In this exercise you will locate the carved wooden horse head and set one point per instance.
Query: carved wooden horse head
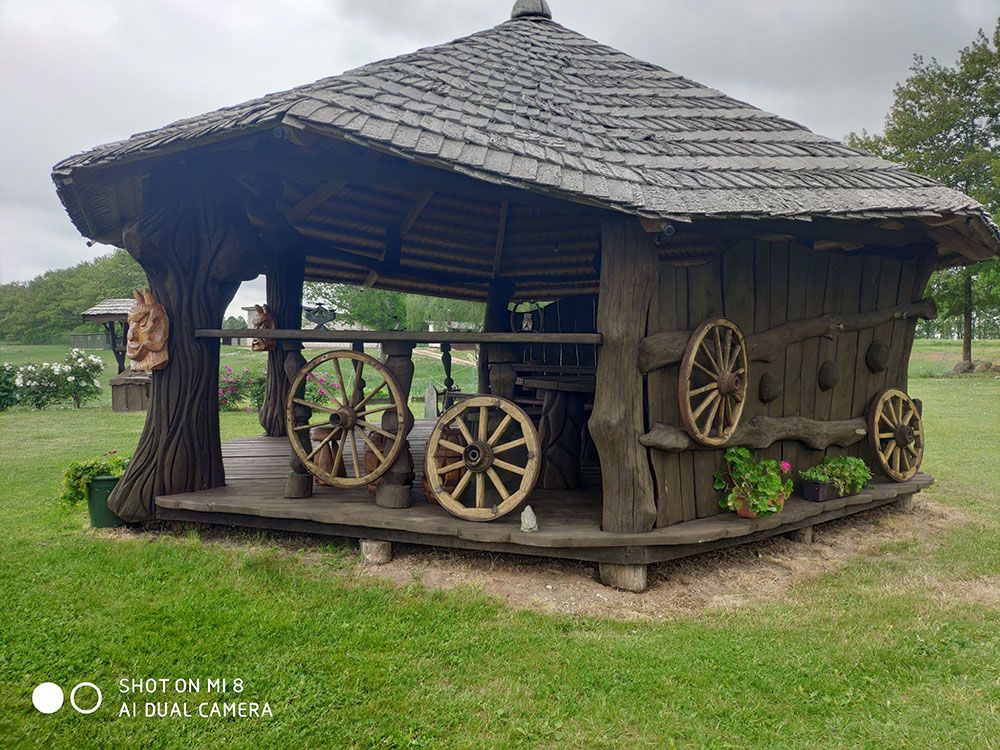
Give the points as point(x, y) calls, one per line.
point(263, 318)
point(148, 330)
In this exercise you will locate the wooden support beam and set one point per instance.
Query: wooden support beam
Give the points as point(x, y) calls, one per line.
point(950, 240)
point(501, 236)
point(762, 431)
point(315, 199)
point(411, 218)
point(629, 273)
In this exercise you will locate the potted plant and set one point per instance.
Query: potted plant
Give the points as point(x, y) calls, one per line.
point(94, 480)
point(753, 488)
point(835, 476)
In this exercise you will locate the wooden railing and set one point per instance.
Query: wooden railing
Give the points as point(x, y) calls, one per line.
point(405, 337)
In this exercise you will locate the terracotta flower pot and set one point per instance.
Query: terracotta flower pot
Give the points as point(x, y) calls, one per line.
point(743, 511)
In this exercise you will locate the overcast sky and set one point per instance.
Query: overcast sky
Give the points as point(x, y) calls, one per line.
point(77, 74)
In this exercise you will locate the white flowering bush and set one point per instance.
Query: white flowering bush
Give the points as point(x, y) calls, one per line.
point(39, 385)
point(81, 372)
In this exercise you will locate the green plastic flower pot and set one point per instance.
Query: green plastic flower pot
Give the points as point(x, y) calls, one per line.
point(101, 516)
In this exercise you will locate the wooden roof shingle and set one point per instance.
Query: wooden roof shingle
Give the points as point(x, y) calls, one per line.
point(534, 105)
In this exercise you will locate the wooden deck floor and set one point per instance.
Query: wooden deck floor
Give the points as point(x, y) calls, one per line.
point(569, 522)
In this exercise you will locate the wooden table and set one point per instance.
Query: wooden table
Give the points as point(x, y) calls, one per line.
point(560, 430)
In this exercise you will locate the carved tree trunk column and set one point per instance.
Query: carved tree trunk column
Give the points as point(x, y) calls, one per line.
point(285, 274)
point(496, 318)
point(196, 245)
point(394, 489)
point(629, 269)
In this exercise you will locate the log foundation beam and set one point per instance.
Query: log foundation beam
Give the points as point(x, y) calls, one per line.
point(375, 552)
point(624, 577)
point(801, 536)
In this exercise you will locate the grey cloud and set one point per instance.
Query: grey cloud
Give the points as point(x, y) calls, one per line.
point(74, 75)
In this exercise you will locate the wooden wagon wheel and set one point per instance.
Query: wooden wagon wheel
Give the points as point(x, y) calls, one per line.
point(896, 434)
point(501, 483)
point(345, 406)
point(712, 382)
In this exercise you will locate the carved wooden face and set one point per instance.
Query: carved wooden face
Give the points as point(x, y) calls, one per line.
point(263, 318)
point(148, 329)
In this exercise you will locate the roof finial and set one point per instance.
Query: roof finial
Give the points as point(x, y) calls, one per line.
point(531, 9)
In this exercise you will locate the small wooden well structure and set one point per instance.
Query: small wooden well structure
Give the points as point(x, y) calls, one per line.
point(129, 388)
point(678, 230)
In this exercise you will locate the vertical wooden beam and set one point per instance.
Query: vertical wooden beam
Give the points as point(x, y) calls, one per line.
point(285, 275)
point(628, 277)
point(196, 244)
point(394, 489)
point(496, 318)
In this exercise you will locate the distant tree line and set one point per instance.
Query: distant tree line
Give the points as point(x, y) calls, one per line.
point(47, 308)
point(378, 309)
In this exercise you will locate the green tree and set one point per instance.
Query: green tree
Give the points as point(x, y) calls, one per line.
point(945, 123)
point(234, 322)
point(47, 308)
point(422, 310)
point(373, 309)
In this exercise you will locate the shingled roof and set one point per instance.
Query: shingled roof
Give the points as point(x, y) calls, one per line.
point(534, 105)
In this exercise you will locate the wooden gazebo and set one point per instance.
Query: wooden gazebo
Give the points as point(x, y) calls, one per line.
point(112, 314)
point(721, 276)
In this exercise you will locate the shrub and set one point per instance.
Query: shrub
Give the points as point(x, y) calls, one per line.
point(8, 392)
point(81, 375)
point(848, 474)
point(238, 389)
point(78, 475)
point(761, 484)
point(39, 386)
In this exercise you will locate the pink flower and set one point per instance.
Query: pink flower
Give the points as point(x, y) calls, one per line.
point(228, 368)
point(786, 467)
point(322, 392)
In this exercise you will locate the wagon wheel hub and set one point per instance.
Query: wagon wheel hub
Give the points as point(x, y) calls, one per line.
point(345, 418)
point(730, 383)
point(478, 456)
point(905, 435)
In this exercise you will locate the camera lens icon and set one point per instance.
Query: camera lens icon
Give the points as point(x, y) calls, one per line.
point(48, 698)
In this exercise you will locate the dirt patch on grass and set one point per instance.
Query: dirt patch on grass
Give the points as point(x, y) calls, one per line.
point(755, 573)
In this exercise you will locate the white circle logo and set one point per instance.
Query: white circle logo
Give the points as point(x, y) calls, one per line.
point(47, 697)
point(72, 698)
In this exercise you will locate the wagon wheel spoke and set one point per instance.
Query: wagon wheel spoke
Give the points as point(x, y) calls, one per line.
point(705, 404)
point(340, 380)
point(498, 432)
point(495, 479)
point(371, 394)
point(484, 423)
point(714, 372)
point(453, 447)
point(711, 416)
point(464, 429)
point(704, 389)
point(451, 467)
point(372, 428)
point(509, 467)
point(372, 447)
point(511, 445)
point(480, 490)
point(462, 484)
point(338, 458)
point(889, 448)
point(908, 417)
point(356, 387)
point(322, 443)
point(375, 410)
point(315, 407)
point(704, 369)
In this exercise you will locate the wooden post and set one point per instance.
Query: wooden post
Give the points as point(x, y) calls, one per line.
point(496, 375)
point(300, 481)
point(625, 577)
point(375, 552)
point(628, 277)
point(394, 489)
point(196, 245)
point(285, 274)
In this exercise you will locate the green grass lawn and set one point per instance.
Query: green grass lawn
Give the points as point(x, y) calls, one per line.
point(890, 651)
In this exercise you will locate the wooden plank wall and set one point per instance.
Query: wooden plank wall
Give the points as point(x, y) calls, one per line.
point(760, 284)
